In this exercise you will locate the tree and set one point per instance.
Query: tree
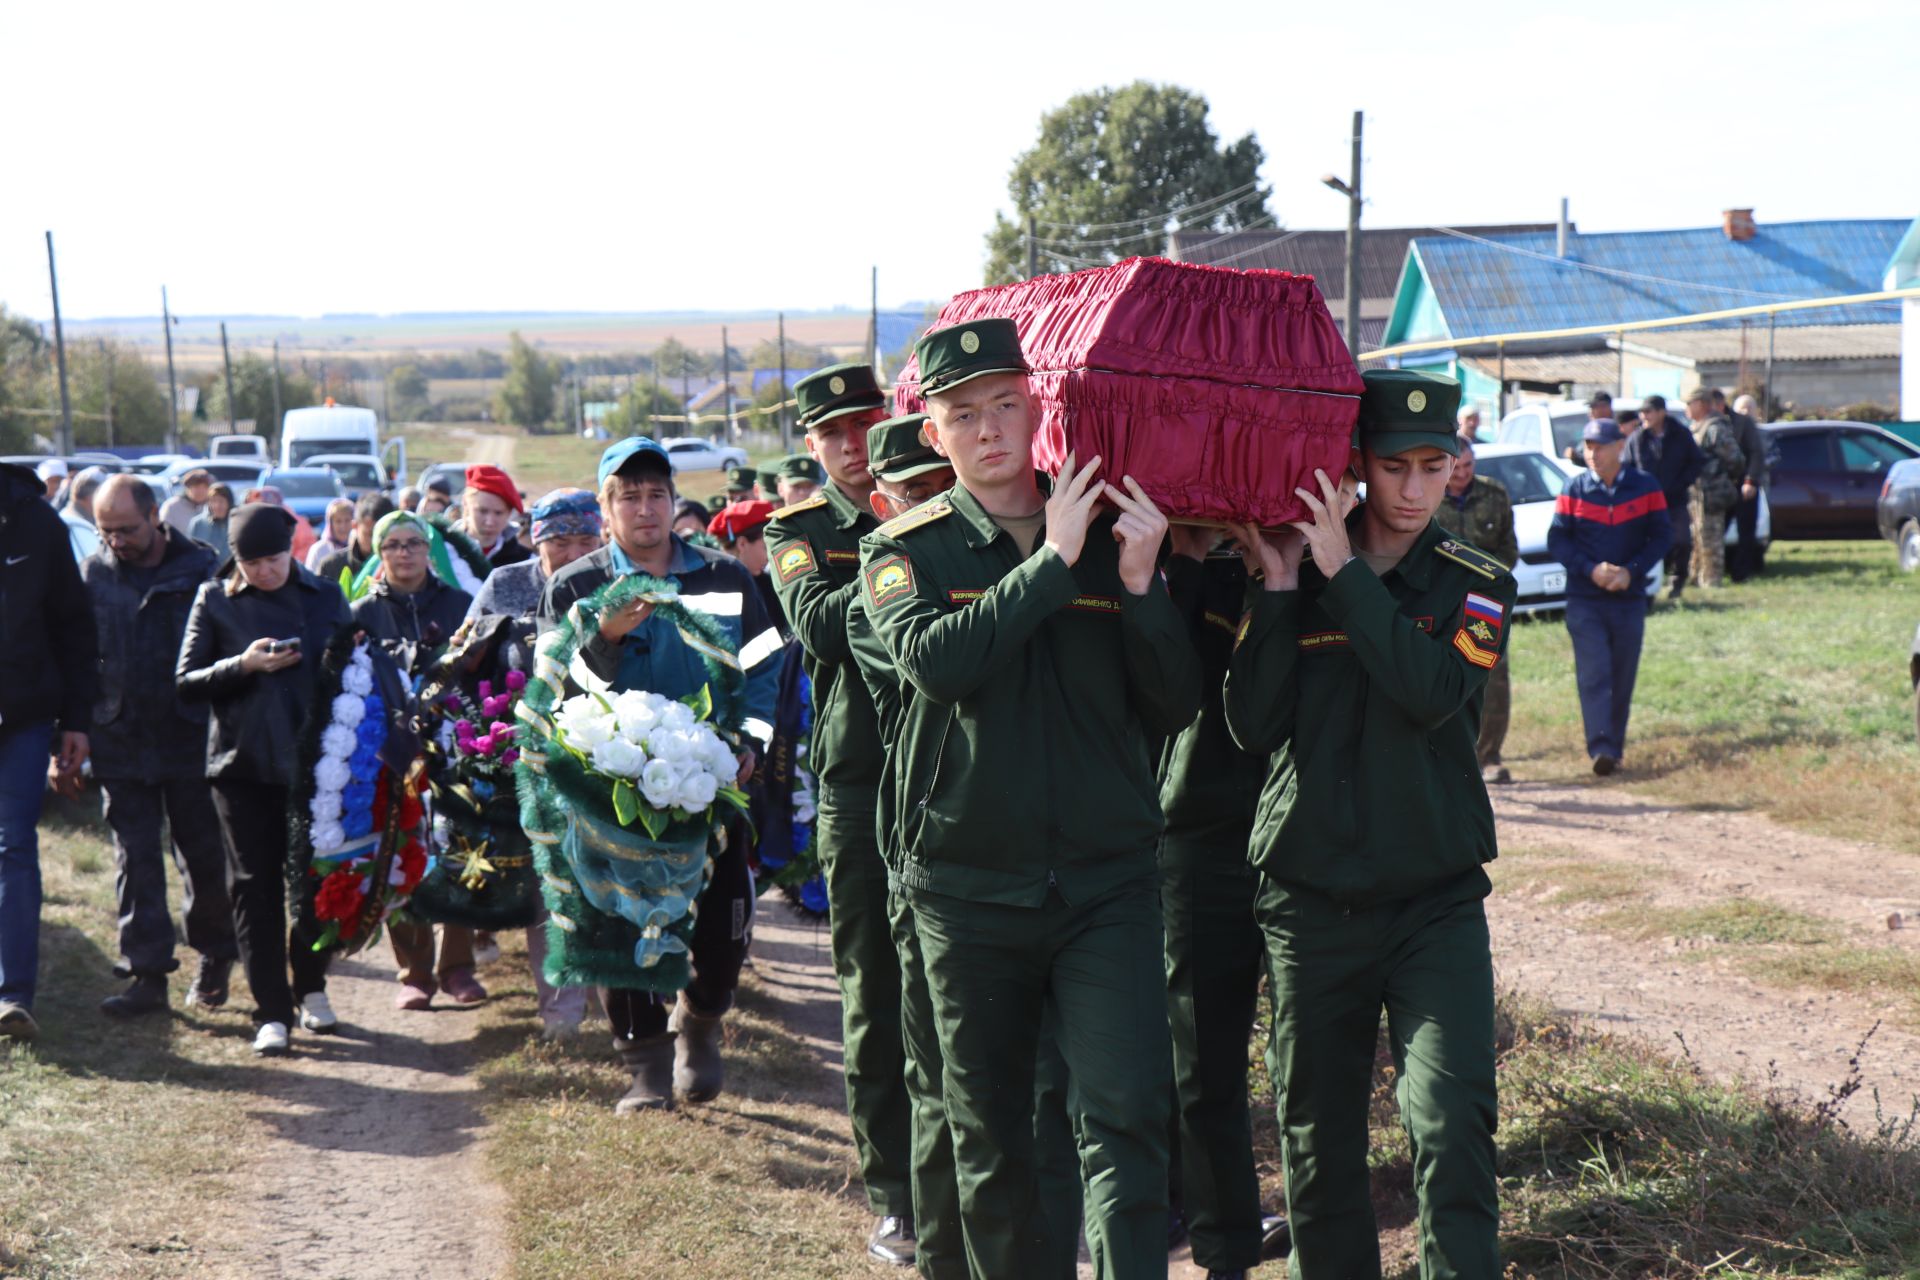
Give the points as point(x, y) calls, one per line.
point(800, 355)
point(408, 393)
point(138, 402)
point(645, 399)
point(1111, 175)
point(23, 381)
point(525, 396)
point(253, 395)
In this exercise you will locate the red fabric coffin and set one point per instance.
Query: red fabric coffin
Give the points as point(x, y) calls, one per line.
point(1219, 391)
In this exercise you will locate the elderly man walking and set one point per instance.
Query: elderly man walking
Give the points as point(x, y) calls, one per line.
point(149, 751)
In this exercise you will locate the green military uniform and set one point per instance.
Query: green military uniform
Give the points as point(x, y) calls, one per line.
point(813, 555)
point(1483, 515)
point(895, 452)
point(767, 480)
point(1713, 496)
point(1215, 951)
point(802, 466)
point(1027, 820)
point(740, 482)
point(1370, 839)
point(716, 504)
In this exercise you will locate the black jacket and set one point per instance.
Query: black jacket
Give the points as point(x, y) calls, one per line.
point(256, 718)
point(414, 627)
point(47, 643)
point(141, 727)
point(1672, 458)
point(348, 558)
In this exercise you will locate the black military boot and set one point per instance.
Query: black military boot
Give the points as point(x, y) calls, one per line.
point(209, 989)
point(651, 1062)
point(147, 993)
point(893, 1241)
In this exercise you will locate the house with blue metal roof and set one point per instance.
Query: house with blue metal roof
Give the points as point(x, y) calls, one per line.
point(1456, 286)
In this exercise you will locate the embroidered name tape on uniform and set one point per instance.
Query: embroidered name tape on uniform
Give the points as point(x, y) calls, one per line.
point(842, 557)
point(1095, 604)
point(1313, 641)
point(890, 579)
point(793, 561)
point(965, 595)
point(1221, 621)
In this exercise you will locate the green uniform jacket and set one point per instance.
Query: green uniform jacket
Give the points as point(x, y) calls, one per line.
point(1367, 692)
point(875, 666)
point(1022, 761)
point(1207, 783)
point(1484, 518)
point(813, 556)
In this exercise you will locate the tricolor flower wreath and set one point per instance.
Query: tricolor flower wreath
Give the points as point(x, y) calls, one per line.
point(623, 856)
point(358, 823)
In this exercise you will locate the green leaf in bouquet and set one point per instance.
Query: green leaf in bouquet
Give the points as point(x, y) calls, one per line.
point(735, 797)
point(653, 821)
point(328, 936)
point(626, 802)
point(701, 703)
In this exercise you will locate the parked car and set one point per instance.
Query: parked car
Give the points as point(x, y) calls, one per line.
point(155, 463)
point(358, 472)
point(451, 474)
point(238, 474)
point(241, 448)
point(1534, 484)
point(307, 490)
point(687, 453)
point(1827, 477)
point(1899, 511)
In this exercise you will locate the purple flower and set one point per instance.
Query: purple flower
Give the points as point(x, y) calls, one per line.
point(463, 729)
point(486, 689)
point(500, 729)
point(516, 681)
point(483, 745)
point(510, 757)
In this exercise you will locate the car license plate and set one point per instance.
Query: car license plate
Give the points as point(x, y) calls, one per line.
point(1553, 583)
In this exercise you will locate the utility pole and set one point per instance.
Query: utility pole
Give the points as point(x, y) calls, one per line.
point(873, 328)
point(226, 358)
point(1351, 190)
point(786, 426)
point(726, 381)
point(173, 388)
point(1033, 249)
point(273, 436)
point(64, 444)
point(106, 356)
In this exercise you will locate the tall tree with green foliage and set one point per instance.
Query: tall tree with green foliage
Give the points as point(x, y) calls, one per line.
point(525, 397)
point(1110, 175)
point(23, 382)
point(408, 392)
point(644, 399)
point(114, 377)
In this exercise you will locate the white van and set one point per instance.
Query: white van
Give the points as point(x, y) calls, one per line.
point(334, 428)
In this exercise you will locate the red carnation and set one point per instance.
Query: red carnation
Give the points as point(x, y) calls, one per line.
point(411, 810)
point(339, 896)
point(413, 865)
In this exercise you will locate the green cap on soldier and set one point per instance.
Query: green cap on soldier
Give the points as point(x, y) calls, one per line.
point(962, 352)
point(836, 390)
point(740, 479)
point(897, 452)
point(800, 466)
point(1403, 409)
point(716, 504)
point(768, 478)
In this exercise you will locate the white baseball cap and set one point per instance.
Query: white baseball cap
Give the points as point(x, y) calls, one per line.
point(51, 468)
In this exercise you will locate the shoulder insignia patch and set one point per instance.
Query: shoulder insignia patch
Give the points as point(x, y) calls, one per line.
point(805, 504)
point(889, 579)
point(1471, 649)
point(924, 514)
point(793, 560)
point(1472, 557)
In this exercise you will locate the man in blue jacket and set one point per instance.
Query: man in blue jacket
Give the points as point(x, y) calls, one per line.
point(1610, 528)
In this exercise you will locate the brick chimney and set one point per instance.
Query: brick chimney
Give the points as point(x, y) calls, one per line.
point(1737, 223)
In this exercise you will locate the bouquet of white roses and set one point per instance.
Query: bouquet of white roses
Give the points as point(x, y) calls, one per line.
point(665, 764)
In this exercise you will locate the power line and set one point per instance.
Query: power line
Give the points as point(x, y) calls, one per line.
point(1161, 218)
point(1152, 232)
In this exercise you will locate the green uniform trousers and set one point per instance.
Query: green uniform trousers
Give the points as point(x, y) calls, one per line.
point(942, 1251)
point(1215, 953)
point(991, 970)
point(868, 967)
point(1427, 960)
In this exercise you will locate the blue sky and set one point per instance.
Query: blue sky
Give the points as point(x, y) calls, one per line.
point(299, 159)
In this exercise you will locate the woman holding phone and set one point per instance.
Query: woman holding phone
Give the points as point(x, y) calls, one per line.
point(252, 643)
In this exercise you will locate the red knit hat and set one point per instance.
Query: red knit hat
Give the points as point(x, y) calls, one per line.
point(737, 518)
point(491, 479)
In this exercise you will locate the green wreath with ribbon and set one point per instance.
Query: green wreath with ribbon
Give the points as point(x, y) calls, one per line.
point(619, 883)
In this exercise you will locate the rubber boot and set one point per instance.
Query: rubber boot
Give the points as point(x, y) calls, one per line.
point(651, 1062)
point(698, 1071)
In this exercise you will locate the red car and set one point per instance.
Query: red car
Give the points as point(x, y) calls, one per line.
point(1826, 477)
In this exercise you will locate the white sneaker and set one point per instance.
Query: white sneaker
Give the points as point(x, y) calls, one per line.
point(316, 1015)
point(486, 950)
point(271, 1040)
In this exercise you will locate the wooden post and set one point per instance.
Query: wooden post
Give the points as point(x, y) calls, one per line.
point(173, 388)
point(64, 444)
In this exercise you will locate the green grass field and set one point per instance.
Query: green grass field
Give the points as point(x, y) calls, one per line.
point(1788, 694)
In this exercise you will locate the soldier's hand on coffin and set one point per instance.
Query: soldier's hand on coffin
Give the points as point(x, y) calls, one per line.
point(1274, 556)
point(1194, 541)
point(1326, 533)
point(1139, 529)
point(1070, 510)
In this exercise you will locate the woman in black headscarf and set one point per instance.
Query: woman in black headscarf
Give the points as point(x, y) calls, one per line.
point(252, 648)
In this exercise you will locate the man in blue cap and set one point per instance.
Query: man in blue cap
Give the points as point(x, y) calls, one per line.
point(634, 650)
point(1610, 529)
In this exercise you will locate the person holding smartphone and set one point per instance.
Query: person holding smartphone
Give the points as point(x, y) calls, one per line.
point(252, 642)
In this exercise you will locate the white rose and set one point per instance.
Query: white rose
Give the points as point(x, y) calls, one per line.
point(349, 711)
point(585, 725)
point(328, 836)
point(637, 711)
point(657, 783)
point(677, 716)
point(325, 807)
point(671, 747)
point(337, 740)
point(357, 679)
point(332, 774)
point(620, 758)
point(720, 758)
point(697, 791)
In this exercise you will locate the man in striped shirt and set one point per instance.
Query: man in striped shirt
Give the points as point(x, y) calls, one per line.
point(634, 650)
point(1610, 530)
